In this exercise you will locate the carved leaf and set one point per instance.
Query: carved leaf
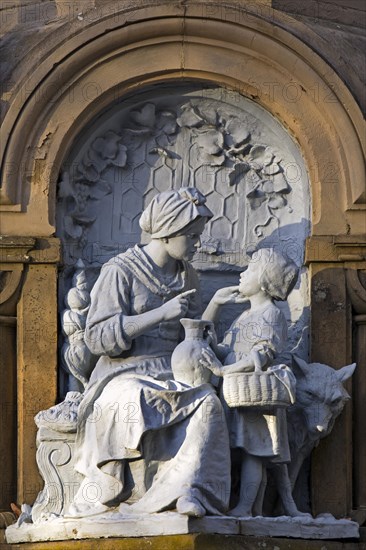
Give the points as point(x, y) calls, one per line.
point(260, 156)
point(256, 198)
point(166, 121)
point(189, 117)
point(65, 189)
point(71, 229)
point(165, 140)
point(107, 146)
point(121, 157)
point(98, 191)
point(236, 133)
point(267, 157)
point(252, 179)
point(267, 186)
point(272, 169)
point(83, 219)
point(145, 116)
point(217, 160)
point(92, 173)
point(211, 141)
point(210, 116)
point(238, 173)
point(276, 201)
point(256, 152)
point(280, 184)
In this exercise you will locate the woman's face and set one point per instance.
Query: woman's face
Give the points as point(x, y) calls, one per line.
point(183, 247)
point(249, 280)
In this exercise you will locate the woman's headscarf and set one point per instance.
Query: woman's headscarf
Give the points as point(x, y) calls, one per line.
point(171, 211)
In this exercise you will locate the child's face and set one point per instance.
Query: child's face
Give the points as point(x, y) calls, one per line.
point(249, 280)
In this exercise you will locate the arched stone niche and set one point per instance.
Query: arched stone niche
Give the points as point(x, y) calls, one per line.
point(129, 48)
point(237, 154)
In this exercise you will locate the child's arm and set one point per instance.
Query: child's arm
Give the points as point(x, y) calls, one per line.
point(220, 350)
point(227, 295)
point(258, 358)
point(210, 361)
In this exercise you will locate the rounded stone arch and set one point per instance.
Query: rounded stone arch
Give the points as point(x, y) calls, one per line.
point(104, 59)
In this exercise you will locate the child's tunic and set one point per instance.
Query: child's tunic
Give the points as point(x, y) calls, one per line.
point(265, 435)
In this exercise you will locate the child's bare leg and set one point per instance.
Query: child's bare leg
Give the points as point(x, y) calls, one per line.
point(258, 504)
point(284, 489)
point(250, 480)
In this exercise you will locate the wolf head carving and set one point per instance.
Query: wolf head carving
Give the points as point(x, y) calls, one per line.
point(320, 394)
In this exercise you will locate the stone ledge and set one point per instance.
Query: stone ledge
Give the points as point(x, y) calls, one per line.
point(114, 524)
point(190, 542)
point(339, 248)
point(28, 250)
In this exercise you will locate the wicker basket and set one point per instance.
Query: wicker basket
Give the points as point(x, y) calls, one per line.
point(255, 390)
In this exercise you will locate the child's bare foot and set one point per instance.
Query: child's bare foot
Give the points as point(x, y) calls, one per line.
point(240, 511)
point(292, 511)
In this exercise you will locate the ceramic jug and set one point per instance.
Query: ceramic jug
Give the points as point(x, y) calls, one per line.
point(185, 358)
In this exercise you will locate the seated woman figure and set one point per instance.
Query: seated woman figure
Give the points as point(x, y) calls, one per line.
point(133, 411)
point(253, 341)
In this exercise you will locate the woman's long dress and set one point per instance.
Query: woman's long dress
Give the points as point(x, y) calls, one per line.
point(134, 413)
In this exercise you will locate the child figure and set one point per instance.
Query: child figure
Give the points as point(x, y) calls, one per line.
point(252, 343)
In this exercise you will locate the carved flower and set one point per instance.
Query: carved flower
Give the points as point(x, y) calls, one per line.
point(260, 164)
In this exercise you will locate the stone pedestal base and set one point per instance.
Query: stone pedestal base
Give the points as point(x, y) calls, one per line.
point(114, 524)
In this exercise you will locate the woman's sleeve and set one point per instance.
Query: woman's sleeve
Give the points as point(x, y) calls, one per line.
point(110, 301)
point(195, 302)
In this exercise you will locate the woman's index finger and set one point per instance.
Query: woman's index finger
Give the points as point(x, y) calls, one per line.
point(187, 293)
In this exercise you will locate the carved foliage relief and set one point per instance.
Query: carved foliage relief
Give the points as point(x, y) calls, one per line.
point(234, 155)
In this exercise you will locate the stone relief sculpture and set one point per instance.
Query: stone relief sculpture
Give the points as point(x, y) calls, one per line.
point(153, 434)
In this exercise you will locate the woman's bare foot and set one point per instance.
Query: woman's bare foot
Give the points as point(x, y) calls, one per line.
point(190, 507)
